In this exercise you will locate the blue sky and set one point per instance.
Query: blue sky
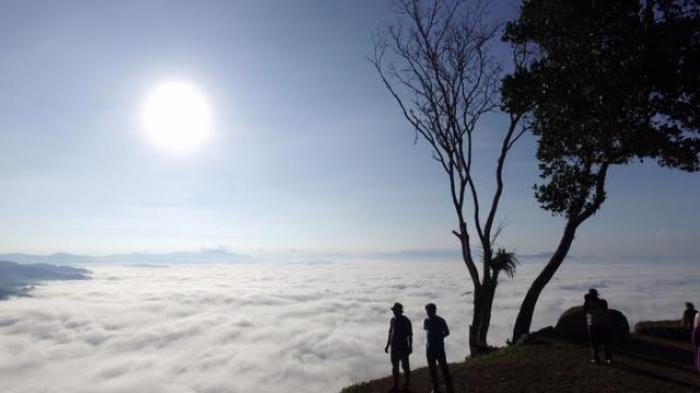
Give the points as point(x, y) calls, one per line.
point(308, 151)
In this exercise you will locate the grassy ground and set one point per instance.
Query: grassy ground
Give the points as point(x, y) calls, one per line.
point(550, 365)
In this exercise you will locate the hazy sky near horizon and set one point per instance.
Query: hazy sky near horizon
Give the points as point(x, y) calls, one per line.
point(307, 149)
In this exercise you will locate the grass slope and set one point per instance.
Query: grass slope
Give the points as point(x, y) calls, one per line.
point(550, 365)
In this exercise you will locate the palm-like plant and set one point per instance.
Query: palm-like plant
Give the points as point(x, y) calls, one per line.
point(504, 261)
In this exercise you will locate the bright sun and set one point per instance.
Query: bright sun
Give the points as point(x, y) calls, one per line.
point(176, 117)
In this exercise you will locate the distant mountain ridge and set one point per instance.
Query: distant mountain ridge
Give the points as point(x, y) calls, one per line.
point(221, 256)
point(204, 256)
point(17, 279)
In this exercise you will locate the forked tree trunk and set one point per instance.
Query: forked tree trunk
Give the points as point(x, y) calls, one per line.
point(527, 308)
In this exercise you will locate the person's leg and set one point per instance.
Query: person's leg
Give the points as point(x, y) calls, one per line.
point(597, 341)
point(593, 342)
point(395, 371)
point(697, 358)
point(406, 370)
point(444, 368)
point(433, 371)
point(607, 341)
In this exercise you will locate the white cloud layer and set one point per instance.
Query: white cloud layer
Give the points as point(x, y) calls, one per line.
point(275, 328)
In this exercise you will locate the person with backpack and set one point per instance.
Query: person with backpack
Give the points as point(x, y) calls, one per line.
point(596, 310)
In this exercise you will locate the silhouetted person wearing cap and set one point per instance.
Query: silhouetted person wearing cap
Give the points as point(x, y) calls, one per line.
point(596, 310)
point(437, 330)
point(401, 342)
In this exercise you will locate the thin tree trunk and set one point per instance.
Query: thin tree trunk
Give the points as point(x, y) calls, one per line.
point(463, 237)
point(474, 327)
point(527, 308)
point(474, 342)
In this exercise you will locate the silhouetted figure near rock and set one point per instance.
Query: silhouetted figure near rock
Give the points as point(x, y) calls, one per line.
point(596, 310)
point(696, 341)
point(689, 315)
point(435, 347)
point(401, 342)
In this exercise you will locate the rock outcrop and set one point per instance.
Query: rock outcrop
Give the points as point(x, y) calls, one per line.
point(572, 326)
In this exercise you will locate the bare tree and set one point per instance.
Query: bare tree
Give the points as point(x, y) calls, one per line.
point(437, 65)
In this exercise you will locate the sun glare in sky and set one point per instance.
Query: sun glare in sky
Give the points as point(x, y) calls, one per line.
point(176, 117)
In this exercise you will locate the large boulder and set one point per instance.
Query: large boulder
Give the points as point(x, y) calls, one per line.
point(572, 326)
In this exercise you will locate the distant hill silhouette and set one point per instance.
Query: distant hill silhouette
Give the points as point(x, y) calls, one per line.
point(137, 258)
point(17, 279)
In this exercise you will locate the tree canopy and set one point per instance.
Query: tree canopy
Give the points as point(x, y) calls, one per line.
point(606, 83)
point(610, 82)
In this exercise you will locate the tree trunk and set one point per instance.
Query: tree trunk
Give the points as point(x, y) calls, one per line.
point(527, 308)
point(481, 319)
point(487, 294)
point(473, 328)
point(473, 339)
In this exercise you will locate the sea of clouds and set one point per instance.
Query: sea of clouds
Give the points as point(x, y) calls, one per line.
point(277, 327)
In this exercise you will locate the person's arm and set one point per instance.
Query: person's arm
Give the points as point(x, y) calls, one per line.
point(410, 336)
point(388, 338)
point(445, 329)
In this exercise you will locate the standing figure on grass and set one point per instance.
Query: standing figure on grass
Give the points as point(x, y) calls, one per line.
point(696, 341)
point(401, 342)
point(689, 316)
point(435, 348)
point(596, 310)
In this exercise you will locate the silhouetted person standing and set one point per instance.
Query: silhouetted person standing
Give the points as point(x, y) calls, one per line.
point(437, 330)
point(689, 315)
point(401, 342)
point(596, 310)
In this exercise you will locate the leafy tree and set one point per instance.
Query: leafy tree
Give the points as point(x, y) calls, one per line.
point(437, 65)
point(608, 83)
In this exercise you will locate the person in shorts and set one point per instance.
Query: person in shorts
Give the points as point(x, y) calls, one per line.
point(400, 341)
